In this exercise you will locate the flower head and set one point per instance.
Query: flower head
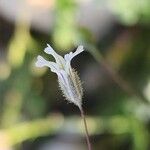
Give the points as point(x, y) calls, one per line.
point(68, 79)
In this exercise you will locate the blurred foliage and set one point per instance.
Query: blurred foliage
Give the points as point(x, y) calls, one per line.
point(132, 11)
point(116, 82)
point(65, 24)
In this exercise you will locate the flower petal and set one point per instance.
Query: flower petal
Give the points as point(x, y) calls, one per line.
point(41, 62)
point(69, 56)
point(59, 59)
point(78, 50)
point(49, 49)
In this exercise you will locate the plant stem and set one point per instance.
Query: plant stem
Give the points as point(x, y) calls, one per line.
point(86, 129)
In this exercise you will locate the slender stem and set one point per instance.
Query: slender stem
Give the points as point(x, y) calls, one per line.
point(86, 129)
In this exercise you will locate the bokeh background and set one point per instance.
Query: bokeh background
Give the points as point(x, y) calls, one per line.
point(114, 70)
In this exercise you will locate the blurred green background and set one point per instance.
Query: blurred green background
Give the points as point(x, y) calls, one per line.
point(114, 69)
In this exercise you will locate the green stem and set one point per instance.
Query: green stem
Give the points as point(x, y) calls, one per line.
point(86, 129)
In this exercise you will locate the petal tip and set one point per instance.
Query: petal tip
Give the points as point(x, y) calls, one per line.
point(81, 48)
point(40, 61)
point(48, 49)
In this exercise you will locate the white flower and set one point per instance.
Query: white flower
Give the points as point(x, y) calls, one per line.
point(69, 81)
